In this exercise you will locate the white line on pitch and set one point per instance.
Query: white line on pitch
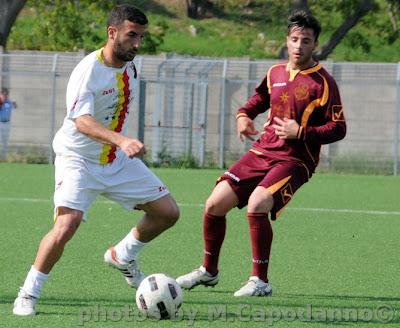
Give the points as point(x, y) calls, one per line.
point(304, 209)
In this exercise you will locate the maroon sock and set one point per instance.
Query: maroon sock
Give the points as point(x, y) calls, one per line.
point(261, 240)
point(213, 233)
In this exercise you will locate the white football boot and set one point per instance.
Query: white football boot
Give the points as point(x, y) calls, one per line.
point(197, 277)
point(255, 287)
point(24, 304)
point(133, 275)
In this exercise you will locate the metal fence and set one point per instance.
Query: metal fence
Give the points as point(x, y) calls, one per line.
point(185, 108)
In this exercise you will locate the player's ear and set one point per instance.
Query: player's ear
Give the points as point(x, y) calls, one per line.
point(111, 31)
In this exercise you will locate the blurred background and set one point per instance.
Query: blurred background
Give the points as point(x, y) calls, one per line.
point(200, 61)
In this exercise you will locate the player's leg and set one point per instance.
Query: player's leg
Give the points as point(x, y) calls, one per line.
point(135, 186)
point(160, 215)
point(218, 204)
point(75, 190)
point(260, 204)
point(50, 250)
point(271, 196)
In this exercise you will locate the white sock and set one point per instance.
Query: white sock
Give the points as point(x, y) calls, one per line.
point(34, 282)
point(128, 248)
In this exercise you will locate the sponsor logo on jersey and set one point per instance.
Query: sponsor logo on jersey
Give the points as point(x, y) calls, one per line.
point(232, 176)
point(286, 193)
point(337, 113)
point(74, 104)
point(59, 184)
point(108, 91)
point(279, 84)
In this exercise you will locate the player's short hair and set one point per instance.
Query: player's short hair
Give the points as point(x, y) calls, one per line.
point(303, 19)
point(4, 91)
point(124, 12)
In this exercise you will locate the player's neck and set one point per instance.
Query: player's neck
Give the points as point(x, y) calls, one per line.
point(109, 59)
point(302, 67)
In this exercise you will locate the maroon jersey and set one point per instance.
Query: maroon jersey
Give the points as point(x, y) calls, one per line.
point(310, 97)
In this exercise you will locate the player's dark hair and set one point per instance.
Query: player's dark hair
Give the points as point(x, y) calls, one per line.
point(303, 19)
point(124, 12)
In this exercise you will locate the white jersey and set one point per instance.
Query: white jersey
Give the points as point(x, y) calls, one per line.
point(103, 92)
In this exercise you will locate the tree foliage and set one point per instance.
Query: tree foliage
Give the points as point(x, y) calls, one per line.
point(70, 25)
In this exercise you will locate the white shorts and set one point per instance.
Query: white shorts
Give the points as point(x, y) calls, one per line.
point(126, 181)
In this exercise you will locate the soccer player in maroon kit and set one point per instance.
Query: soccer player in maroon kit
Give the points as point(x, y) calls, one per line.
point(305, 113)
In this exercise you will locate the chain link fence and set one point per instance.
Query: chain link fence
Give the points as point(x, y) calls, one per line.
point(185, 109)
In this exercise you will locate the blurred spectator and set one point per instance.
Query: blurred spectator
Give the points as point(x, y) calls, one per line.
point(6, 106)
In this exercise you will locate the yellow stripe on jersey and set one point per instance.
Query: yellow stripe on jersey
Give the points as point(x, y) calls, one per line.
point(122, 79)
point(315, 103)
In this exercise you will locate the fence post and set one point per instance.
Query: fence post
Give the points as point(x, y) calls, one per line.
point(222, 116)
point(189, 147)
point(53, 108)
point(141, 101)
point(203, 96)
point(141, 110)
point(396, 134)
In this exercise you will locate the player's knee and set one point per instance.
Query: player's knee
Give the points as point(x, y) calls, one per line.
point(260, 202)
point(66, 226)
point(172, 216)
point(213, 207)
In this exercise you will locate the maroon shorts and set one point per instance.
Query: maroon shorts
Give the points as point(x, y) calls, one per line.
point(281, 178)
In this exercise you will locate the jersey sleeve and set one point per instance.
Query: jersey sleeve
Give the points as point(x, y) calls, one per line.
point(80, 98)
point(258, 103)
point(334, 127)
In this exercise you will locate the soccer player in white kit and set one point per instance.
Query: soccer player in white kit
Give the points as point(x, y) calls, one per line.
point(94, 157)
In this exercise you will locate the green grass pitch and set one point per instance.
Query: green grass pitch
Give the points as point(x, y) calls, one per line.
point(335, 256)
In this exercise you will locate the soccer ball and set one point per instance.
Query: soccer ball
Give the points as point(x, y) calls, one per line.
point(159, 296)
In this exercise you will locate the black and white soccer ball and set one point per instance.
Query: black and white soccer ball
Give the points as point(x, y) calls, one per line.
point(159, 296)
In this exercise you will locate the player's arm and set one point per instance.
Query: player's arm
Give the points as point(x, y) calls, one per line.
point(335, 127)
point(89, 126)
point(333, 130)
point(258, 103)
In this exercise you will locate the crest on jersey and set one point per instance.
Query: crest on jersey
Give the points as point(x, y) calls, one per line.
point(301, 92)
point(337, 113)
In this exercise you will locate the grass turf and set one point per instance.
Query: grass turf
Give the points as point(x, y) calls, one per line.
point(334, 257)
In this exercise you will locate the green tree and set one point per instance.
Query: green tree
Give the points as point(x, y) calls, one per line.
point(70, 25)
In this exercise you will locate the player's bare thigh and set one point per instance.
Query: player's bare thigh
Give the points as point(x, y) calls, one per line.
point(260, 201)
point(163, 208)
point(221, 200)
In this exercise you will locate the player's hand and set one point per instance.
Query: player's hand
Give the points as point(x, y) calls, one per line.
point(132, 147)
point(286, 128)
point(245, 128)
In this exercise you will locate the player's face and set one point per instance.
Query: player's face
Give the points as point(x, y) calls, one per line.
point(301, 44)
point(128, 39)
